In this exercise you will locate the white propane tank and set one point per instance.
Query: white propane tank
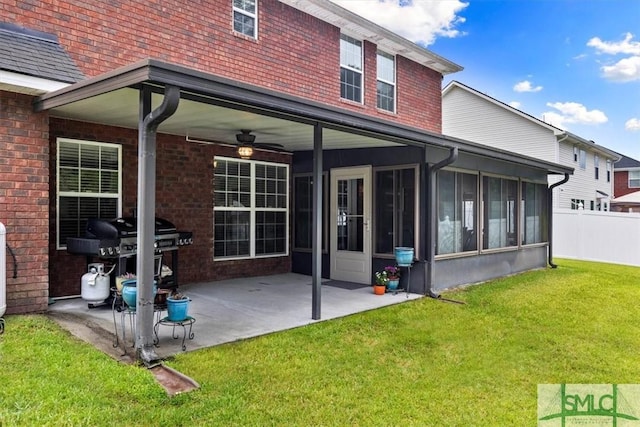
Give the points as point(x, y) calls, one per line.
point(95, 284)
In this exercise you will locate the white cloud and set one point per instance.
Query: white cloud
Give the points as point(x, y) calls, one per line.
point(419, 21)
point(572, 112)
point(515, 104)
point(525, 86)
point(626, 69)
point(625, 46)
point(632, 125)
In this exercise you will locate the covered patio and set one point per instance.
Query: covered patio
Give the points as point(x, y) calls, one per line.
point(156, 97)
point(224, 312)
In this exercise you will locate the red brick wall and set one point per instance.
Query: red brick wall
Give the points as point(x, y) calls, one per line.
point(24, 201)
point(621, 184)
point(184, 196)
point(295, 53)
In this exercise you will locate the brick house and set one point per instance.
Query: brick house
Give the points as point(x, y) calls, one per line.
point(144, 120)
point(626, 177)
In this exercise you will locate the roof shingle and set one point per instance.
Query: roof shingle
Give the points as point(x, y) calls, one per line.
point(35, 54)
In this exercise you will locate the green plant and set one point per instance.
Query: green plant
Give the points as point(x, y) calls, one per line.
point(175, 295)
point(389, 272)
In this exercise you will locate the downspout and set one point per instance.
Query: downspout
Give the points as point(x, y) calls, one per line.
point(147, 127)
point(550, 214)
point(431, 218)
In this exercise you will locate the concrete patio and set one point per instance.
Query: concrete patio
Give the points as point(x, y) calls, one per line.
point(224, 312)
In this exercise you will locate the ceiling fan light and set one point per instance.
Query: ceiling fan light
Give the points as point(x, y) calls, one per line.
point(245, 151)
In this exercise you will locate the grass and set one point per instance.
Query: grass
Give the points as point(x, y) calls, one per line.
point(425, 362)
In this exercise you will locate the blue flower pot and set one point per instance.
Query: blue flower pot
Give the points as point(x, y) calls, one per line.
point(404, 256)
point(177, 309)
point(392, 284)
point(130, 292)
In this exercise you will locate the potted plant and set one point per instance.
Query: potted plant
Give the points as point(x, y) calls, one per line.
point(380, 286)
point(177, 307)
point(393, 276)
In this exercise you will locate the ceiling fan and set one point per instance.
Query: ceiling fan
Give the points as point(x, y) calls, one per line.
point(246, 144)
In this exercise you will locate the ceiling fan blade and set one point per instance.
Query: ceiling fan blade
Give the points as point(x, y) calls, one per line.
point(268, 145)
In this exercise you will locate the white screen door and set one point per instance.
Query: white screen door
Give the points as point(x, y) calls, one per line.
point(351, 224)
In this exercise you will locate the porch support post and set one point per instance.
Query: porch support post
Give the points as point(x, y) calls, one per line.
point(432, 215)
point(316, 240)
point(147, 126)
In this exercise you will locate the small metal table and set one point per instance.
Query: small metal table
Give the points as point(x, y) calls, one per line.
point(188, 321)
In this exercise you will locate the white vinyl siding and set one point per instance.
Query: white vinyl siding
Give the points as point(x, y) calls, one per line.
point(467, 116)
point(582, 184)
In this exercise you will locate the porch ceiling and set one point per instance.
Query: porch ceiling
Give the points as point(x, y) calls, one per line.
point(213, 108)
point(201, 122)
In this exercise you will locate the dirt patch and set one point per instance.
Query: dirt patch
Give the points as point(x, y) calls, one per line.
point(94, 334)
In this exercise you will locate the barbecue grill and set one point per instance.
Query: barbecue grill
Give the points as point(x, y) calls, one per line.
point(117, 239)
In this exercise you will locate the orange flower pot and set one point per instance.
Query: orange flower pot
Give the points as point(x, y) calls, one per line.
point(379, 289)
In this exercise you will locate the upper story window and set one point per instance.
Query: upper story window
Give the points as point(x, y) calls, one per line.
point(89, 185)
point(245, 17)
point(386, 86)
point(575, 153)
point(350, 68)
point(608, 170)
point(596, 165)
point(583, 159)
point(634, 179)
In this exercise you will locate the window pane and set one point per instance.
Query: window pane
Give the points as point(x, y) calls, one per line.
point(386, 67)
point(457, 195)
point(534, 213)
point(350, 85)
point(500, 209)
point(231, 230)
point(350, 52)
point(246, 5)
point(244, 24)
point(386, 96)
point(270, 232)
point(395, 209)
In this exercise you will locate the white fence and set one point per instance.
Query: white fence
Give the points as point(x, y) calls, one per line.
point(597, 236)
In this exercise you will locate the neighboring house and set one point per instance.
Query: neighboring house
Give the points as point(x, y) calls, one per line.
point(138, 109)
point(626, 177)
point(475, 116)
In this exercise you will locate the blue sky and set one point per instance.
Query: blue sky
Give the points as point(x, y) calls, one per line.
point(573, 63)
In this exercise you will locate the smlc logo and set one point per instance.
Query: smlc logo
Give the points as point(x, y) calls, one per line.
point(566, 405)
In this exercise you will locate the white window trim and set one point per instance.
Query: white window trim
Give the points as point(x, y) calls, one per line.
point(360, 71)
point(249, 14)
point(635, 179)
point(252, 212)
point(395, 78)
point(80, 194)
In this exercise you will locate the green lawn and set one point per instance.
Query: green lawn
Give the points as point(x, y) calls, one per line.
point(422, 363)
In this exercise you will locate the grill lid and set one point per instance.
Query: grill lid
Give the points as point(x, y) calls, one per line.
point(123, 227)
